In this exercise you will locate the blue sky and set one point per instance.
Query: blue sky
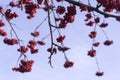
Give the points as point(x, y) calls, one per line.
point(77, 38)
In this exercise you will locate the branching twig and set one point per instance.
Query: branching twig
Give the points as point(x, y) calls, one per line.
point(51, 35)
point(90, 8)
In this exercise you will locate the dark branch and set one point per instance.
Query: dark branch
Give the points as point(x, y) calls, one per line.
point(90, 8)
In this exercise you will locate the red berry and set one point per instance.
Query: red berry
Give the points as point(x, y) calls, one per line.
point(35, 34)
point(93, 34)
point(23, 49)
point(99, 73)
point(52, 50)
point(108, 42)
point(60, 38)
point(92, 53)
point(60, 10)
point(103, 25)
point(1, 9)
point(97, 20)
point(68, 64)
point(63, 49)
point(41, 42)
point(96, 44)
point(90, 23)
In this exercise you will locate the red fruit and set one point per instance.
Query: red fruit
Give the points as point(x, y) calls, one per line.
point(32, 42)
point(25, 66)
point(71, 10)
point(23, 49)
point(97, 20)
point(92, 53)
point(63, 49)
point(52, 50)
point(89, 16)
point(35, 34)
point(41, 42)
point(9, 15)
point(69, 18)
point(96, 44)
point(1, 23)
point(12, 4)
point(39, 1)
point(34, 51)
point(60, 10)
point(3, 33)
point(93, 34)
point(15, 69)
point(99, 73)
point(15, 15)
point(90, 23)
point(83, 8)
point(10, 41)
point(103, 25)
point(1, 9)
point(62, 24)
point(108, 42)
point(68, 64)
point(60, 38)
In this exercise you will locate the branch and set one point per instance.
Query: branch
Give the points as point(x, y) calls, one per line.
point(90, 8)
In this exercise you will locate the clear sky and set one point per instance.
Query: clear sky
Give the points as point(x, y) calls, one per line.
point(77, 38)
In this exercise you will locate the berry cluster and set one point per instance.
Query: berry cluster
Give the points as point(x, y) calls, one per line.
point(110, 5)
point(68, 17)
point(24, 66)
point(60, 38)
point(99, 73)
point(60, 10)
point(1, 9)
point(52, 50)
point(92, 53)
point(62, 16)
point(3, 33)
point(39, 1)
point(23, 49)
point(32, 45)
point(30, 8)
point(9, 15)
point(12, 41)
point(35, 34)
point(68, 64)
point(2, 23)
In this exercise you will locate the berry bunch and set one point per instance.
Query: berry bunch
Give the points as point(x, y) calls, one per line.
point(12, 41)
point(3, 33)
point(30, 8)
point(23, 49)
point(60, 38)
point(2, 23)
point(92, 53)
point(68, 64)
point(63, 15)
point(32, 45)
point(25, 66)
point(110, 5)
point(99, 73)
point(60, 10)
point(35, 34)
point(9, 15)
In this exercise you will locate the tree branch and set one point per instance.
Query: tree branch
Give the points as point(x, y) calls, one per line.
point(90, 8)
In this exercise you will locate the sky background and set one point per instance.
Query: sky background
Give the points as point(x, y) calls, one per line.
point(77, 38)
